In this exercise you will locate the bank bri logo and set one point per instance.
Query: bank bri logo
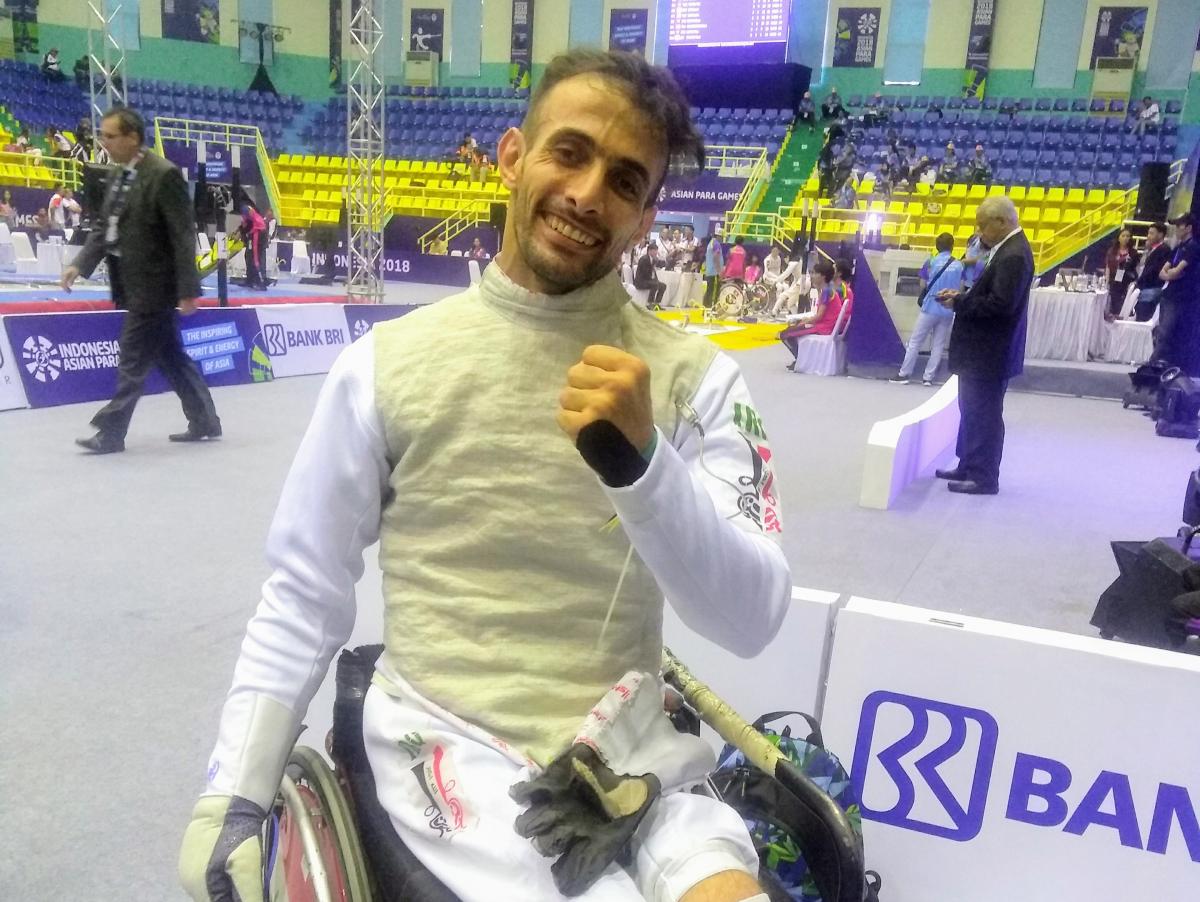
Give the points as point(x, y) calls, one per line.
point(944, 790)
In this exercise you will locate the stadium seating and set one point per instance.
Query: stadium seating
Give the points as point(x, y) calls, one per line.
point(1079, 144)
point(36, 102)
point(271, 113)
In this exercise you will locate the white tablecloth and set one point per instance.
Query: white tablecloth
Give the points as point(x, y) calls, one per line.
point(679, 287)
point(1066, 325)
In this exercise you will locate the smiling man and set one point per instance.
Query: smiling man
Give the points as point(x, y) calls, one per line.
point(487, 471)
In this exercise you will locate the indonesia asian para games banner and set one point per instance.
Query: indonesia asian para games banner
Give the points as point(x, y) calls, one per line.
point(627, 30)
point(521, 49)
point(856, 36)
point(1119, 32)
point(979, 48)
point(192, 20)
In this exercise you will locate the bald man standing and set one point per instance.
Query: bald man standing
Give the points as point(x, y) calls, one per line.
point(987, 346)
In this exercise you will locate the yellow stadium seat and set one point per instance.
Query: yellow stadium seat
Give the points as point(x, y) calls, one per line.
point(309, 161)
point(310, 178)
point(1075, 196)
point(952, 212)
point(890, 230)
point(1045, 234)
point(322, 178)
point(1051, 216)
point(958, 191)
point(896, 206)
point(391, 183)
point(391, 165)
point(877, 206)
point(1031, 215)
point(1071, 215)
point(964, 232)
point(1116, 194)
point(1095, 197)
point(914, 208)
point(1056, 195)
point(923, 190)
point(969, 211)
point(309, 195)
point(1036, 194)
point(925, 230)
point(977, 192)
point(995, 191)
point(322, 162)
point(338, 178)
point(1017, 193)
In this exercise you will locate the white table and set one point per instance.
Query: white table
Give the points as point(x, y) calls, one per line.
point(1066, 325)
point(679, 287)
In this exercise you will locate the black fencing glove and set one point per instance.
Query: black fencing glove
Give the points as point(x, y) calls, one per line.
point(585, 814)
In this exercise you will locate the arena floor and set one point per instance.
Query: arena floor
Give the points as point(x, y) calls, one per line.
point(126, 582)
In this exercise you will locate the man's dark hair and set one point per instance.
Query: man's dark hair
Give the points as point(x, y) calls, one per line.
point(845, 268)
point(945, 242)
point(652, 88)
point(739, 240)
point(824, 269)
point(1161, 227)
point(128, 120)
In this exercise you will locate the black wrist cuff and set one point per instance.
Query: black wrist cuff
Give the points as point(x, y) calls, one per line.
point(606, 450)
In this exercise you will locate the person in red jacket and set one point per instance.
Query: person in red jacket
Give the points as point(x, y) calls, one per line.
point(253, 228)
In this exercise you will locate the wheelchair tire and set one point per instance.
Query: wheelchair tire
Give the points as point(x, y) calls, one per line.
point(308, 768)
point(730, 300)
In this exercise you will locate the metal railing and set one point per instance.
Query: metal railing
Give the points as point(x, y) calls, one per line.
point(1075, 236)
point(189, 131)
point(31, 169)
point(451, 227)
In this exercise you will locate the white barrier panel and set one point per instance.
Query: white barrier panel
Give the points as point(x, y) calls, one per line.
point(903, 448)
point(1000, 762)
point(12, 392)
point(789, 675)
point(303, 338)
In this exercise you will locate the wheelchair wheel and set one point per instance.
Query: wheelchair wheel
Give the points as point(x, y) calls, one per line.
point(314, 850)
point(730, 300)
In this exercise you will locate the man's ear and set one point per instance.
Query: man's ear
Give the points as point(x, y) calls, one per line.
point(510, 153)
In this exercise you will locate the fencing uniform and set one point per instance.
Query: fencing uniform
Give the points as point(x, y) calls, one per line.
point(509, 609)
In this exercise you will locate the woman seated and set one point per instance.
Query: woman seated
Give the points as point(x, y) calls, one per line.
point(822, 318)
point(753, 270)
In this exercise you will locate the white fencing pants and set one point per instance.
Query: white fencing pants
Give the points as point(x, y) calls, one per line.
point(445, 784)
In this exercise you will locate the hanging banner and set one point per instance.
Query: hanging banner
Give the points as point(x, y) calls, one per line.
point(427, 30)
point(1119, 32)
point(24, 15)
point(857, 37)
point(192, 20)
point(521, 56)
point(627, 30)
point(979, 48)
point(335, 44)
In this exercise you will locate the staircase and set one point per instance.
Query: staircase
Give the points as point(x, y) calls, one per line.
point(792, 168)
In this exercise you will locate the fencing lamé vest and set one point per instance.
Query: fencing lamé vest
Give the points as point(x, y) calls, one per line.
point(497, 571)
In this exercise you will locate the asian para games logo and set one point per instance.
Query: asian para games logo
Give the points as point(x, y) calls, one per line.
point(757, 501)
point(41, 358)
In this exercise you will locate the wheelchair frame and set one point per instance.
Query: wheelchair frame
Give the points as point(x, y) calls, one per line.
point(318, 804)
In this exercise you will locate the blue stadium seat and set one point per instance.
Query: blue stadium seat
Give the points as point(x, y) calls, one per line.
point(954, 103)
point(971, 103)
point(1097, 105)
point(920, 102)
point(1116, 105)
point(1095, 125)
point(1170, 125)
point(1062, 105)
point(1025, 104)
point(1079, 105)
point(1076, 123)
point(1043, 104)
point(1052, 141)
point(1174, 107)
point(1085, 158)
point(1023, 175)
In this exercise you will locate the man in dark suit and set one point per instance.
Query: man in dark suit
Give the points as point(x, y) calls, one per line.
point(147, 236)
point(987, 346)
point(645, 277)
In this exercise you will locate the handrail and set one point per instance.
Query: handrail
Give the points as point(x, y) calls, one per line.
point(189, 131)
point(450, 227)
point(60, 170)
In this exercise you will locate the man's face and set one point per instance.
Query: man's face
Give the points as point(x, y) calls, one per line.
point(121, 147)
point(991, 229)
point(1182, 232)
point(581, 175)
point(1154, 236)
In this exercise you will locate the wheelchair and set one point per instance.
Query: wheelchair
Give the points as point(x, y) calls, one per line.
point(736, 299)
point(328, 839)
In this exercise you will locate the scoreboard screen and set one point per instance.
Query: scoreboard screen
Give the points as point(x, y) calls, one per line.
point(730, 23)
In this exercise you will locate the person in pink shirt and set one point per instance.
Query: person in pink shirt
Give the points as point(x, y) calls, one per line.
point(252, 229)
point(735, 266)
point(753, 270)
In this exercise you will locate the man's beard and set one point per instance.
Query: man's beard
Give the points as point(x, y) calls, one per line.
point(553, 271)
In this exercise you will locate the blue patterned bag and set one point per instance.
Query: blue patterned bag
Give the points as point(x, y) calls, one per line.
point(757, 798)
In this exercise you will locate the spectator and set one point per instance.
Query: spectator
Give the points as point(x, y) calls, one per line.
point(844, 165)
point(478, 251)
point(481, 165)
point(924, 172)
point(646, 279)
point(8, 213)
point(1150, 283)
point(469, 140)
point(883, 181)
point(843, 272)
point(252, 228)
point(51, 67)
point(1120, 265)
point(1147, 116)
point(439, 246)
point(847, 195)
point(831, 106)
point(714, 263)
point(60, 144)
point(772, 267)
point(753, 270)
point(980, 168)
point(735, 266)
point(63, 211)
point(938, 272)
point(688, 245)
point(1179, 297)
point(41, 226)
point(821, 319)
point(22, 141)
point(807, 111)
point(875, 113)
point(83, 72)
point(948, 171)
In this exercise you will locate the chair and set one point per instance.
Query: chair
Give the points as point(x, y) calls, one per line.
point(473, 269)
point(26, 262)
point(8, 254)
point(825, 355)
point(1129, 341)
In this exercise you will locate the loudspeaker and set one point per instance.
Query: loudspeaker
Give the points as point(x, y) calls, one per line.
point(1152, 192)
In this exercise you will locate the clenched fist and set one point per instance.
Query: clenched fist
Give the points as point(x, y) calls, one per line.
point(608, 384)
